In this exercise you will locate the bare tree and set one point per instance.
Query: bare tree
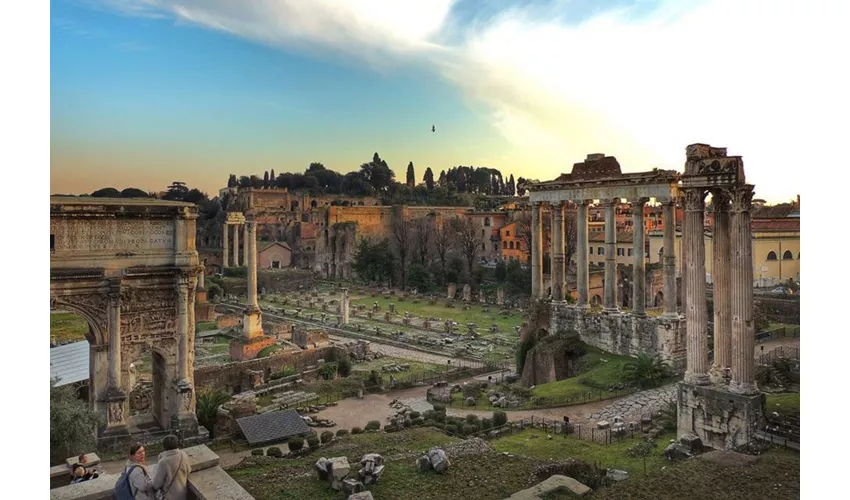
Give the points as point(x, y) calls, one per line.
point(570, 230)
point(402, 238)
point(423, 228)
point(443, 241)
point(468, 239)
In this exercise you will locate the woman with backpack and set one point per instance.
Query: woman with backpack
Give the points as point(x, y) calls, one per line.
point(135, 482)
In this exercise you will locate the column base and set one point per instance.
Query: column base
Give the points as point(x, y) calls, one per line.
point(718, 375)
point(743, 388)
point(639, 314)
point(611, 310)
point(722, 419)
point(697, 378)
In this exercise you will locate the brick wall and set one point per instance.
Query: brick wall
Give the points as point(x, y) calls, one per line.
point(229, 377)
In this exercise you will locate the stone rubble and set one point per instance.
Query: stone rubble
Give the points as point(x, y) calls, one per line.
point(636, 406)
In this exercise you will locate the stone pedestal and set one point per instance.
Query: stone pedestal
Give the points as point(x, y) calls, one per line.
point(722, 419)
point(452, 290)
point(467, 293)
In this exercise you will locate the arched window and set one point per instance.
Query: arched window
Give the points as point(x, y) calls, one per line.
point(511, 245)
point(771, 255)
point(519, 245)
point(486, 221)
point(505, 245)
point(293, 206)
point(314, 204)
point(787, 255)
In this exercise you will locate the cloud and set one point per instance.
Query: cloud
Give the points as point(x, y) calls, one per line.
point(133, 46)
point(565, 78)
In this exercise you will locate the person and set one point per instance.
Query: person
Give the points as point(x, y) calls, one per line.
point(172, 471)
point(140, 481)
point(79, 471)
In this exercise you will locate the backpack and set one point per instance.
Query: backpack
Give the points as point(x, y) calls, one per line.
point(123, 489)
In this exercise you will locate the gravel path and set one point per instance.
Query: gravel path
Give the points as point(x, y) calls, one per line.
point(634, 406)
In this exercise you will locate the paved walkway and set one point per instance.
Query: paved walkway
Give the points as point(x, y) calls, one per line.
point(634, 406)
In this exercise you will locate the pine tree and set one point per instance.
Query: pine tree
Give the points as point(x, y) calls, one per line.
point(411, 177)
point(429, 179)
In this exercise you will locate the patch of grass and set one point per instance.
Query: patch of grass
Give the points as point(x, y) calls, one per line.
point(267, 351)
point(560, 447)
point(783, 403)
point(600, 373)
point(68, 327)
point(776, 476)
point(264, 400)
point(204, 326)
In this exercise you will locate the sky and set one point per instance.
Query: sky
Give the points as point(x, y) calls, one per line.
point(146, 92)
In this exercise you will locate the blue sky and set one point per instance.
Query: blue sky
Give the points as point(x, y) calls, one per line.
point(144, 92)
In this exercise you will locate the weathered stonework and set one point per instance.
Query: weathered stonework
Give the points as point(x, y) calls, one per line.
point(722, 419)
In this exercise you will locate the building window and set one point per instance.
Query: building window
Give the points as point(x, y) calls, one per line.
point(620, 252)
point(630, 251)
point(505, 245)
point(511, 245)
point(52, 243)
point(787, 255)
point(771, 255)
point(483, 248)
point(482, 233)
point(275, 264)
point(591, 250)
point(486, 221)
point(601, 250)
point(519, 245)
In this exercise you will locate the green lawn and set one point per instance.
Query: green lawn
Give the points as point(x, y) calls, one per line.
point(783, 403)
point(68, 327)
point(439, 310)
point(603, 373)
point(415, 366)
point(204, 326)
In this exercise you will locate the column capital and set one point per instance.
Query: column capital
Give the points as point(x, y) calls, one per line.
point(609, 202)
point(742, 198)
point(694, 199)
point(639, 202)
point(720, 199)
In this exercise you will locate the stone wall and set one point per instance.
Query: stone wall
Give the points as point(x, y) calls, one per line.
point(230, 377)
point(228, 321)
point(625, 334)
point(721, 419)
point(241, 349)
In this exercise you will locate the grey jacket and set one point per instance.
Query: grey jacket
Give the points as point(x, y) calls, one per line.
point(140, 482)
point(172, 474)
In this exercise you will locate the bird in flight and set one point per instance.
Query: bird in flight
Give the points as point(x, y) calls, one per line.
point(433, 128)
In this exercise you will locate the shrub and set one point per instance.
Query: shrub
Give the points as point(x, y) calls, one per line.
point(440, 408)
point(295, 443)
point(356, 430)
point(373, 425)
point(313, 442)
point(257, 452)
point(414, 415)
point(341, 433)
point(471, 418)
point(642, 449)
point(499, 418)
point(469, 429)
point(275, 452)
point(327, 437)
point(486, 424)
point(647, 371)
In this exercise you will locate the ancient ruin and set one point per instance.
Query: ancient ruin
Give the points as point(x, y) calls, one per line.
point(129, 267)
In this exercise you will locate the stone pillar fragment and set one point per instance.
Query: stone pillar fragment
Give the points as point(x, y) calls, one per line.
point(183, 330)
point(696, 312)
point(536, 252)
point(343, 304)
point(225, 244)
point(582, 270)
point(720, 274)
point(743, 329)
point(236, 228)
point(114, 325)
point(251, 262)
point(558, 269)
point(670, 309)
point(639, 250)
point(610, 299)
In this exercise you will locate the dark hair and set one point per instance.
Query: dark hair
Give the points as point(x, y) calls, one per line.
point(170, 442)
point(135, 448)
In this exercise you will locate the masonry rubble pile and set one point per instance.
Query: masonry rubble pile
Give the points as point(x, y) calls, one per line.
point(501, 400)
point(436, 459)
point(689, 445)
point(396, 368)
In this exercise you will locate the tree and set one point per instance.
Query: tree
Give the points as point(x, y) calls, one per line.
point(272, 179)
point(72, 423)
point(429, 179)
point(443, 242)
point(442, 179)
point(501, 272)
point(518, 278)
point(520, 187)
point(206, 407)
point(469, 240)
point(402, 234)
point(419, 277)
point(106, 193)
point(374, 262)
point(378, 173)
point(511, 186)
point(177, 191)
point(266, 179)
point(647, 371)
point(422, 235)
point(133, 193)
point(411, 177)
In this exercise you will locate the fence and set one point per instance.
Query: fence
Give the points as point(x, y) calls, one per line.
point(781, 352)
point(587, 432)
point(541, 402)
point(778, 333)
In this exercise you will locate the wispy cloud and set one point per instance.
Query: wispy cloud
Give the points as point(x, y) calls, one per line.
point(640, 81)
point(133, 46)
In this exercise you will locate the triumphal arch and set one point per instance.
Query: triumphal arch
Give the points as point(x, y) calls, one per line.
point(130, 268)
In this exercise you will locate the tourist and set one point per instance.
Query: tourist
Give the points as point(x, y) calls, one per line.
point(136, 472)
point(79, 471)
point(172, 473)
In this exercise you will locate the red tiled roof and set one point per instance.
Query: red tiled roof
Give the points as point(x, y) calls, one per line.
point(622, 237)
point(773, 212)
point(775, 225)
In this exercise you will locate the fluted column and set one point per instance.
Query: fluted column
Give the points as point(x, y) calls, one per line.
point(236, 245)
point(201, 273)
point(582, 271)
point(639, 277)
point(720, 271)
point(251, 258)
point(696, 312)
point(245, 244)
point(610, 256)
point(225, 245)
point(114, 326)
point(183, 330)
point(536, 252)
point(670, 259)
point(743, 330)
point(558, 270)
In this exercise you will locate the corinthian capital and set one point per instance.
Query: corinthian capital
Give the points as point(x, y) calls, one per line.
point(694, 199)
point(720, 199)
point(742, 198)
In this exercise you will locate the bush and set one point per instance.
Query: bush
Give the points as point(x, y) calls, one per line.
point(295, 443)
point(327, 437)
point(440, 408)
point(486, 424)
point(356, 430)
point(414, 415)
point(469, 429)
point(313, 442)
point(373, 425)
point(257, 452)
point(341, 433)
point(275, 452)
point(499, 418)
point(471, 418)
point(642, 449)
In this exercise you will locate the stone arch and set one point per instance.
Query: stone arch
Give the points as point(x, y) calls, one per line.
point(95, 318)
point(771, 255)
point(787, 255)
point(293, 206)
point(659, 299)
point(596, 300)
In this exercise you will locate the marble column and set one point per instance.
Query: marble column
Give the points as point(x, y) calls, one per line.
point(582, 271)
point(183, 330)
point(225, 243)
point(236, 245)
point(696, 312)
point(743, 329)
point(639, 251)
point(245, 244)
point(670, 309)
point(251, 262)
point(114, 326)
point(610, 257)
point(343, 306)
point(536, 252)
point(720, 275)
point(558, 269)
point(201, 272)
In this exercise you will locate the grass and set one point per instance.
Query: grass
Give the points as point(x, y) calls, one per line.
point(439, 310)
point(204, 326)
point(560, 447)
point(602, 373)
point(415, 366)
point(783, 403)
point(68, 327)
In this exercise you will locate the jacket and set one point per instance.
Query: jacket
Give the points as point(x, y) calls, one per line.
point(140, 481)
point(172, 474)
